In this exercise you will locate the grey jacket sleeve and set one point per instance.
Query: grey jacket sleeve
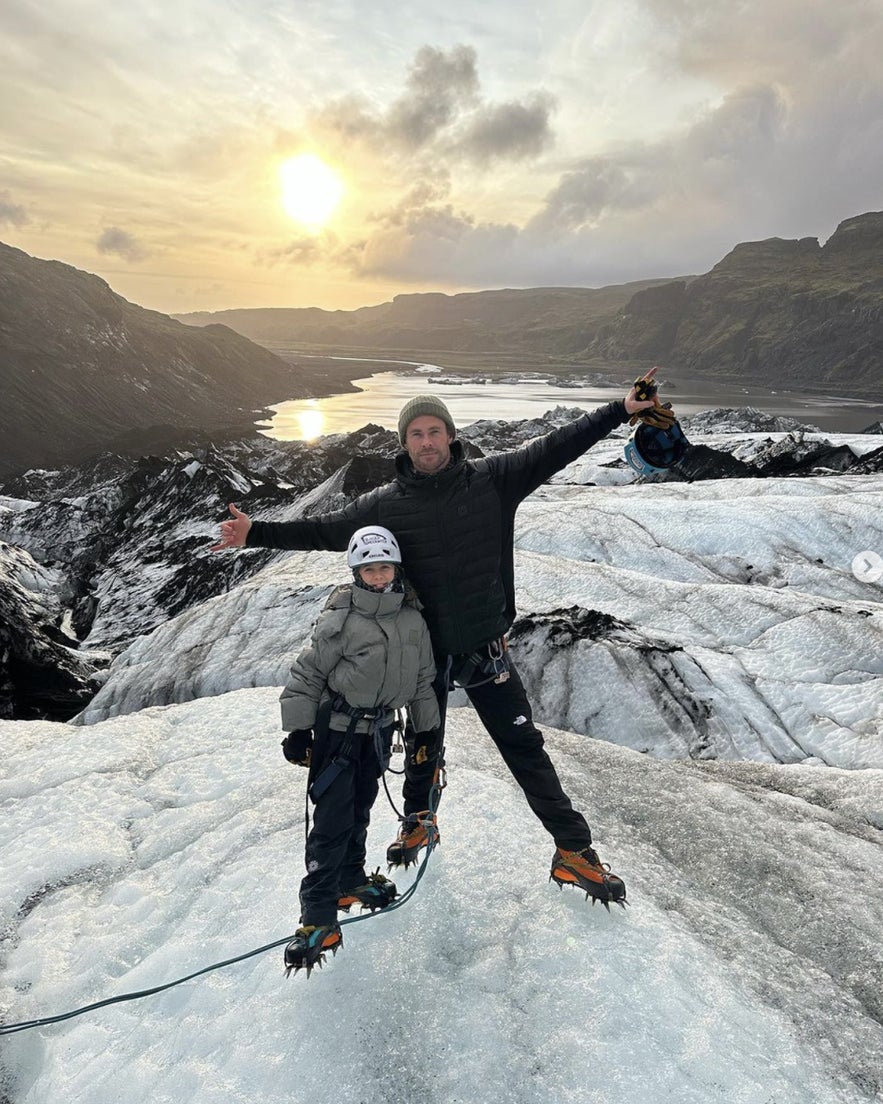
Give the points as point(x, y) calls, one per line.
point(307, 681)
point(423, 709)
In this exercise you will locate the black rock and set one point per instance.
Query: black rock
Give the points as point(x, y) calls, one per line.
point(41, 675)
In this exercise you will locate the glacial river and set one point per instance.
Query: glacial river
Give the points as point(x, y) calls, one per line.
point(382, 394)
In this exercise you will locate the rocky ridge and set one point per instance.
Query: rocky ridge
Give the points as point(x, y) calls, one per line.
point(126, 541)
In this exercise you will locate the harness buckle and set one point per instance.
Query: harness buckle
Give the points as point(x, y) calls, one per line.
point(499, 661)
point(397, 747)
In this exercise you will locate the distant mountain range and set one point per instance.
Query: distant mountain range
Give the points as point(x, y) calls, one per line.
point(776, 311)
point(83, 369)
point(533, 320)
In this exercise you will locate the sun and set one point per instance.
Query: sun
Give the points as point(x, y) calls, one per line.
point(311, 190)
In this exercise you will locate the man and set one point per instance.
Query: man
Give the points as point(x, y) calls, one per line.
point(454, 520)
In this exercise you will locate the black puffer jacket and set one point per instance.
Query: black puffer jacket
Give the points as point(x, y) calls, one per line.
point(455, 529)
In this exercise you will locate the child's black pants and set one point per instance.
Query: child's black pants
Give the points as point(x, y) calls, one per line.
point(335, 852)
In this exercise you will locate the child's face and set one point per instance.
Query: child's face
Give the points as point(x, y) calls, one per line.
point(377, 575)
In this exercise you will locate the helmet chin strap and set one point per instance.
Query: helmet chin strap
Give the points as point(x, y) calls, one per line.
point(394, 586)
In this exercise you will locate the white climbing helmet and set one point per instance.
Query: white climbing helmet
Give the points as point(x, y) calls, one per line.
point(373, 544)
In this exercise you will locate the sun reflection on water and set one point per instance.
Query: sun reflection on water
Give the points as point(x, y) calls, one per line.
point(310, 424)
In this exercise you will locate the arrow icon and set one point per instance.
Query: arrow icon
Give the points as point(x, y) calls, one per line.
point(867, 567)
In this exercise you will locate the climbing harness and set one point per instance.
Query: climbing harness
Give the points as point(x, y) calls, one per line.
point(380, 717)
point(492, 661)
point(45, 1021)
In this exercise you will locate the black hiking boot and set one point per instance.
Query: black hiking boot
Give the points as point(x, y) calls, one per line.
point(309, 945)
point(376, 893)
point(414, 833)
point(585, 869)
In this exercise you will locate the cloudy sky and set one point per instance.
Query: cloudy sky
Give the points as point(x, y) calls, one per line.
point(502, 144)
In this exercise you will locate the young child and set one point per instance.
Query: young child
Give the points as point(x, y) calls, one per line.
point(370, 654)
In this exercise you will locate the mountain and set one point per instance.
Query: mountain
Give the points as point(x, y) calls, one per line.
point(783, 312)
point(84, 368)
point(117, 545)
point(775, 312)
point(42, 671)
point(537, 320)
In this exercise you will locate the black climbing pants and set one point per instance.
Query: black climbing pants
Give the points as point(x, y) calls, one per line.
point(335, 851)
point(506, 714)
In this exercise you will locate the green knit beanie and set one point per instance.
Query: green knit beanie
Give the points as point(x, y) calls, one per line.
point(420, 405)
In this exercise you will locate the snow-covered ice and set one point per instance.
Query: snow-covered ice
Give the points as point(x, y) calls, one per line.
point(141, 848)
point(744, 632)
point(716, 626)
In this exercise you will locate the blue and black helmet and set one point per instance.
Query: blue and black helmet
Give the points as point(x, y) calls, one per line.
point(651, 450)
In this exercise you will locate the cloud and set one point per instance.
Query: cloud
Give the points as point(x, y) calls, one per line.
point(438, 87)
point(12, 214)
point(442, 112)
point(722, 153)
point(788, 141)
point(122, 243)
point(746, 127)
point(610, 143)
point(304, 250)
point(645, 209)
point(441, 241)
point(583, 195)
point(426, 194)
point(796, 42)
point(422, 233)
point(512, 131)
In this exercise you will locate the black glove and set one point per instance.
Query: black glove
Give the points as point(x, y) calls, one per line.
point(296, 746)
point(423, 747)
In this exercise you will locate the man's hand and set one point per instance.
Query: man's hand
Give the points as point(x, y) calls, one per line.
point(659, 415)
point(643, 394)
point(643, 404)
point(233, 533)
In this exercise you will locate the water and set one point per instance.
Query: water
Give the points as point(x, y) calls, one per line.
point(382, 394)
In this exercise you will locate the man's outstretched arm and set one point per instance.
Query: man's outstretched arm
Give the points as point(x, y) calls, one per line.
point(520, 472)
point(328, 533)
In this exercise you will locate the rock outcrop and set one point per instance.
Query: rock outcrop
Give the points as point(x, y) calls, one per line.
point(774, 312)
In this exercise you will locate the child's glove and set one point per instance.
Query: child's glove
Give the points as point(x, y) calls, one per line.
point(296, 746)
